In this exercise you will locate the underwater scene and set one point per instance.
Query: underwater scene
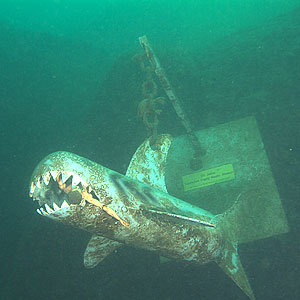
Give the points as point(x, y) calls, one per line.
point(150, 149)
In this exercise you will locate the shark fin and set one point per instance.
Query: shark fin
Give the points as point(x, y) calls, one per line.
point(148, 165)
point(231, 265)
point(236, 225)
point(97, 249)
point(163, 259)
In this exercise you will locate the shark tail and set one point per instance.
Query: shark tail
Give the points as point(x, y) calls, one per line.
point(236, 225)
point(231, 265)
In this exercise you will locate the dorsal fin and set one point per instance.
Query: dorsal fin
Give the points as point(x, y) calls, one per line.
point(148, 165)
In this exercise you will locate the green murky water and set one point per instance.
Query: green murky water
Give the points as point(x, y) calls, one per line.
point(68, 82)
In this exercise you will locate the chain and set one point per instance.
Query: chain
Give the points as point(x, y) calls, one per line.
point(151, 106)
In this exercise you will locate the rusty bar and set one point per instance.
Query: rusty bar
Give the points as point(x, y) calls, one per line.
point(196, 161)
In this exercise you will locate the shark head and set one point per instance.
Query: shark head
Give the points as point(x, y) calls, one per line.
point(56, 184)
point(74, 190)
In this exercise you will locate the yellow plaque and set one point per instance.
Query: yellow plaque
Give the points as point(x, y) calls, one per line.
point(208, 177)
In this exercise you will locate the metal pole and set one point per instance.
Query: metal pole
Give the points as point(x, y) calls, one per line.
point(196, 162)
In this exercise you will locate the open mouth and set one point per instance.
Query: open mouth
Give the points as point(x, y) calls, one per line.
point(56, 191)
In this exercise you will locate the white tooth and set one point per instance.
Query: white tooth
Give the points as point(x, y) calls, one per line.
point(38, 183)
point(83, 184)
point(54, 174)
point(32, 187)
point(46, 178)
point(65, 176)
point(75, 180)
point(43, 211)
point(49, 210)
point(89, 189)
point(38, 211)
point(65, 204)
point(55, 206)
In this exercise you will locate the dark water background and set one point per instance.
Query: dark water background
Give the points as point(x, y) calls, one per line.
point(68, 82)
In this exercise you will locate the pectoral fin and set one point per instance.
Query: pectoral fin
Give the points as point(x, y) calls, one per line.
point(97, 249)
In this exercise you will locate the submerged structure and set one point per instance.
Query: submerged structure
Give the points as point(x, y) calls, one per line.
point(192, 198)
point(136, 210)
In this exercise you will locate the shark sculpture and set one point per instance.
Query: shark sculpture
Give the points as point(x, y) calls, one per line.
point(135, 210)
